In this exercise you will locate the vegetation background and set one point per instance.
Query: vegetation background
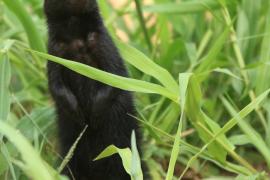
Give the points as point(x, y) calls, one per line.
point(201, 72)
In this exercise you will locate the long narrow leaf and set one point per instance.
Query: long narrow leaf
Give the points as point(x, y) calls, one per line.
point(144, 64)
point(209, 59)
point(184, 7)
point(183, 80)
point(35, 167)
point(125, 155)
point(253, 135)
point(136, 169)
point(34, 37)
point(110, 79)
point(4, 84)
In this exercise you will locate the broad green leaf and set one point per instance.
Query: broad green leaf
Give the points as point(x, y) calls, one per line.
point(195, 114)
point(136, 169)
point(125, 154)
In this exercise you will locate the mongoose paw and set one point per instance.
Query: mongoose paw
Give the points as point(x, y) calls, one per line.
point(77, 45)
point(92, 39)
point(60, 49)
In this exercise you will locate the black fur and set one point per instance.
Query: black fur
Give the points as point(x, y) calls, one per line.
point(76, 32)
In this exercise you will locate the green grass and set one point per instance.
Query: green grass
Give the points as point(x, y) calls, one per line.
point(200, 73)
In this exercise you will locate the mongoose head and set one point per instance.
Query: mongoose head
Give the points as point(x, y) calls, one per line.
point(69, 7)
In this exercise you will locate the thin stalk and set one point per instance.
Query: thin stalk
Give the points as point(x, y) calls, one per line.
point(214, 138)
point(175, 149)
point(231, 152)
point(242, 64)
point(34, 36)
point(192, 149)
point(204, 42)
point(142, 22)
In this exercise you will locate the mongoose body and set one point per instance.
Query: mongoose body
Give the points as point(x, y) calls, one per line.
point(76, 32)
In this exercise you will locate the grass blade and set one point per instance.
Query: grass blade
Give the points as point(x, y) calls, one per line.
point(35, 166)
point(185, 7)
point(183, 80)
point(253, 135)
point(136, 169)
point(34, 37)
point(230, 124)
point(208, 61)
point(263, 73)
point(125, 155)
point(110, 79)
point(144, 64)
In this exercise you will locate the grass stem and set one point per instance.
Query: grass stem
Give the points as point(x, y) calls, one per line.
point(143, 24)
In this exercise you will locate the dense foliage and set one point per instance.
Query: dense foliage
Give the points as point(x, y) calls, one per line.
point(200, 70)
